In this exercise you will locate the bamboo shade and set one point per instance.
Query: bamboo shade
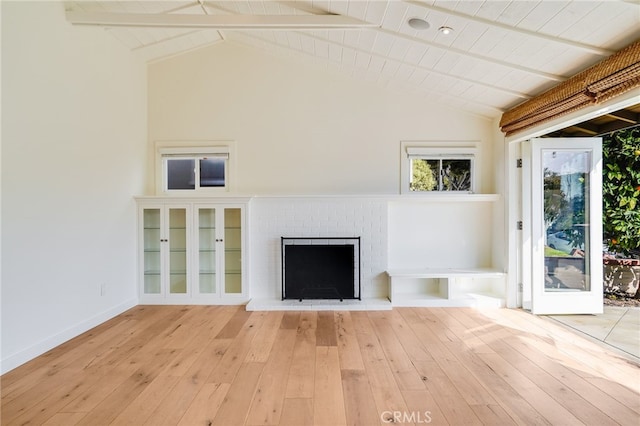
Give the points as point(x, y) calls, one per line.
point(607, 79)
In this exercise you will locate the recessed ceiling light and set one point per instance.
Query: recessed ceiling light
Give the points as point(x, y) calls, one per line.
point(445, 30)
point(418, 24)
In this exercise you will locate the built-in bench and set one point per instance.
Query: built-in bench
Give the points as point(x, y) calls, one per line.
point(439, 287)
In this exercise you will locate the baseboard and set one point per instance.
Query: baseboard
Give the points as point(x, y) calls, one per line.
point(38, 349)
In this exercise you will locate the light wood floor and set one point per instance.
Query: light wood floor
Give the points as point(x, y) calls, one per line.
point(213, 365)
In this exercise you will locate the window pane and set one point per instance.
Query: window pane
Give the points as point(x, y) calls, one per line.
point(424, 175)
point(456, 175)
point(181, 174)
point(566, 220)
point(212, 172)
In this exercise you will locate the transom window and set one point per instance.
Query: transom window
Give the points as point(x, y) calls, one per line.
point(438, 169)
point(194, 169)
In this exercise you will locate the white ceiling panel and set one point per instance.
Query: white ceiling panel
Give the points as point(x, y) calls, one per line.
point(499, 54)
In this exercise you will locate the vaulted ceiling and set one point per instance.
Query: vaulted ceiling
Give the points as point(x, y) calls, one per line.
point(498, 54)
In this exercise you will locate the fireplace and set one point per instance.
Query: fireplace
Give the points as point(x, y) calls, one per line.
point(320, 268)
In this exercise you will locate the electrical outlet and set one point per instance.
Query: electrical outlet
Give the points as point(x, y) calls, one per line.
point(103, 289)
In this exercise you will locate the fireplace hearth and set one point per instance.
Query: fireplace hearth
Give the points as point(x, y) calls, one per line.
point(320, 268)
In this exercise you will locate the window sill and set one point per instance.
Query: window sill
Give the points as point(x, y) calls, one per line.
point(448, 197)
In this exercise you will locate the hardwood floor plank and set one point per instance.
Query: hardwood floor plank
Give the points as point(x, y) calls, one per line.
point(558, 390)
point(266, 407)
point(109, 408)
point(202, 336)
point(424, 405)
point(384, 387)
point(235, 324)
point(205, 405)
point(517, 407)
point(449, 399)
point(300, 383)
point(262, 343)
point(297, 412)
point(360, 407)
point(64, 419)
point(170, 365)
point(54, 361)
point(290, 320)
point(492, 414)
point(145, 404)
point(401, 366)
point(234, 356)
point(174, 405)
point(235, 406)
point(550, 408)
point(595, 396)
point(325, 329)
point(328, 399)
point(413, 346)
point(350, 358)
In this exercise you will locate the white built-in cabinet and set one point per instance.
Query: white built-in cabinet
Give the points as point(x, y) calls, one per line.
point(192, 251)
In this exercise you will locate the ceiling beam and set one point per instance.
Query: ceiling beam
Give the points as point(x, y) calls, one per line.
point(573, 44)
point(538, 73)
point(625, 115)
point(542, 74)
point(220, 22)
point(587, 128)
point(417, 66)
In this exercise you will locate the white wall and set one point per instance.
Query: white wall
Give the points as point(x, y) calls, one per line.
point(298, 128)
point(73, 155)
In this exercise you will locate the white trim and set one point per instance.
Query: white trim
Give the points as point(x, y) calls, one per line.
point(566, 302)
point(625, 100)
point(222, 148)
point(246, 22)
point(25, 355)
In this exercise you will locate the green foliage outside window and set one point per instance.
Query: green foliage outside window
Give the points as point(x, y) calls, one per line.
point(621, 190)
point(424, 178)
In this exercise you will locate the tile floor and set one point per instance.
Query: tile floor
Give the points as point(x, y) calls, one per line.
point(617, 327)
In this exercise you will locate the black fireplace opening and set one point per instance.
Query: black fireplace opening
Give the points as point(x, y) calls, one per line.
point(320, 268)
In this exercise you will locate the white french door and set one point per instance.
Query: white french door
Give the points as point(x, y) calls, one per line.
point(562, 208)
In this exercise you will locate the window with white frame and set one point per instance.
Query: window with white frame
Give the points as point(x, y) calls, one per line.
point(430, 168)
point(194, 169)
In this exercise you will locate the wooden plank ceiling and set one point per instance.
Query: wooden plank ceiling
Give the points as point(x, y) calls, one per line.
point(499, 54)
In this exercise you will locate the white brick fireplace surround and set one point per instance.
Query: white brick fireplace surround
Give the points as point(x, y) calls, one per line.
point(338, 216)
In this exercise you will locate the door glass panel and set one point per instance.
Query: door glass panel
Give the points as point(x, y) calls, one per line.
point(232, 250)
point(207, 251)
point(177, 251)
point(566, 220)
point(151, 230)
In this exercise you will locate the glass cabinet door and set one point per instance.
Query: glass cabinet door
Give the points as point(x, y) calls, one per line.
point(177, 251)
point(152, 254)
point(233, 250)
point(207, 251)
